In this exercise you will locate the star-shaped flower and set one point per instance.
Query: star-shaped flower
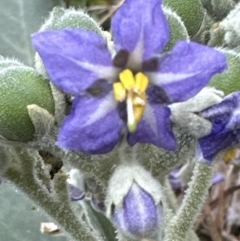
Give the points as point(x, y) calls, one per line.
point(128, 92)
point(225, 119)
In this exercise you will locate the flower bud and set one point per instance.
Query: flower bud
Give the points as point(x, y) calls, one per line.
point(76, 194)
point(76, 185)
point(133, 202)
point(138, 217)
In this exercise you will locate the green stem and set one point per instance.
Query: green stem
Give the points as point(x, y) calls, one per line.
point(22, 176)
point(192, 204)
point(170, 196)
point(173, 205)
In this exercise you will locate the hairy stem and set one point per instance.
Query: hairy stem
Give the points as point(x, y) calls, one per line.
point(193, 201)
point(22, 175)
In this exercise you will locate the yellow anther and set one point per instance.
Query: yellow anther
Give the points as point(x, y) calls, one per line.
point(138, 112)
point(127, 79)
point(141, 82)
point(119, 92)
point(229, 155)
point(139, 99)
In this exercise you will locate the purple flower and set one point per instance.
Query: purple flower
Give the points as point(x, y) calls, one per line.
point(138, 216)
point(131, 91)
point(225, 119)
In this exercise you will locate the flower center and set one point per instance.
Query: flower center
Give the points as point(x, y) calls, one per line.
point(132, 89)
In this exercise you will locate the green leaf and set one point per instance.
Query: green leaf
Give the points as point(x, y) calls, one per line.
point(18, 20)
point(100, 222)
point(228, 81)
point(178, 30)
point(190, 11)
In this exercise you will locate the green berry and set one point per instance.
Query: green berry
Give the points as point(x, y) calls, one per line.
point(21, 86)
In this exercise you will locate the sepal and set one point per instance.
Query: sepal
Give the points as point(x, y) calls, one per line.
point(185, 114)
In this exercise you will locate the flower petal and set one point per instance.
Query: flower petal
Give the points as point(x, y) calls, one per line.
point(141, 28)
point(155, 128)
point(225, 119)
point(74, 58)
point(139, 216)
point(185, 70)
point(93, 125)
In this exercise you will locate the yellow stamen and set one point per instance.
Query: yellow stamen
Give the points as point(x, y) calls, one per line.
point(138, 112)
point(141, 82)
point(229, 155)
point(131, 122)
point(132, 89)
point(127, 79)
point(139, 99)
point(119, 92)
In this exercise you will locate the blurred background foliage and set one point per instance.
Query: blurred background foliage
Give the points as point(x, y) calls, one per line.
point(20, 219)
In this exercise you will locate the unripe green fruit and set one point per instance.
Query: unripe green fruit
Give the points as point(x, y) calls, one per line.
point(190, 11)
point(5, 63)
point(21, 86)
point(70, 18)
point(229, 80)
